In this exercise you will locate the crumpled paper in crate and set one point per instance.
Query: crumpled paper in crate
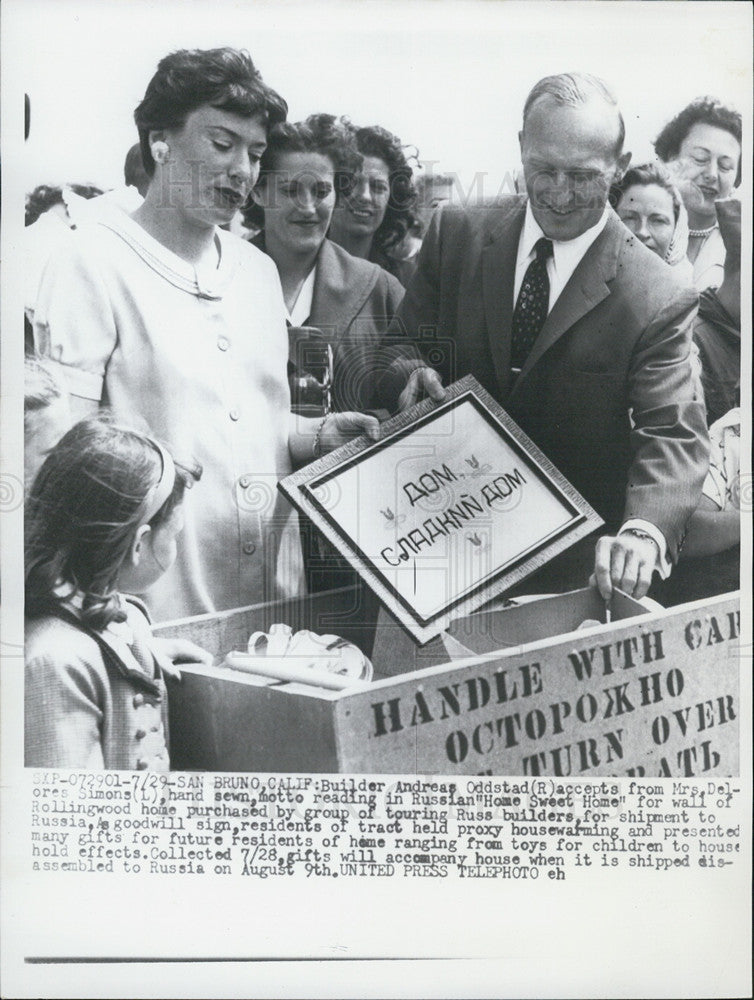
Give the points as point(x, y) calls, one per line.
point(330, 653)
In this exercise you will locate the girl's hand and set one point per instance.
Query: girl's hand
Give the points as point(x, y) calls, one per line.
point(172, 651)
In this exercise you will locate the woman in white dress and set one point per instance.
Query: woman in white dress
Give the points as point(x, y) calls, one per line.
point(164, 316)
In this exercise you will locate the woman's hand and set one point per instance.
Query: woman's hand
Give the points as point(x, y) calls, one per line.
point(339, 428)
point(682, 173)
point(310, 438)
point(728, 211)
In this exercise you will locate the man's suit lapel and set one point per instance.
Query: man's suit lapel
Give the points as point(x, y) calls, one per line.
point(498, 275)
point(587, 287)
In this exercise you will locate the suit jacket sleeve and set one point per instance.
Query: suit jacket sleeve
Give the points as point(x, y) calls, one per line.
point(670, 443)
point(417, 315)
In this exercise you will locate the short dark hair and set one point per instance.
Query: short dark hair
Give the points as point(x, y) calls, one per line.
point(41, 200)
point(189, 78)
point(45, 196)
point(85, 504)
point(320, 133)
point(642, 175)
point(573, 89)
point(707, 110)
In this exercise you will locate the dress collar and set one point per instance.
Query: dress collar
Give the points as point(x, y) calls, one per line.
point(176, 270)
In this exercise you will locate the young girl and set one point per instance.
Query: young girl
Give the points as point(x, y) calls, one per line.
point(102, 518)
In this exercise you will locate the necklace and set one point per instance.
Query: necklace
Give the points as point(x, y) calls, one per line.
point(703, 232)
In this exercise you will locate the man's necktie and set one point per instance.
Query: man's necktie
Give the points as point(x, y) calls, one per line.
point(531, 308)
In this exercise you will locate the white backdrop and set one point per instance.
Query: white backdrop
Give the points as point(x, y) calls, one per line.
point(448, 77)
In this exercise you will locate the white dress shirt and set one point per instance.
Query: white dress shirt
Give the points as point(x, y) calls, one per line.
point(566, 254)
point(566, 257)
point(302, 307)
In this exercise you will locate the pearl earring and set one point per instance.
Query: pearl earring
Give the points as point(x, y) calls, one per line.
point(160, 151)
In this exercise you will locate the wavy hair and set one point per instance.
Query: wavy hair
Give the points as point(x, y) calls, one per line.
point(707, 110)
point(642, 175)
point(83, 509)
point(373, 140)
point(320, 133)
point(190, 78)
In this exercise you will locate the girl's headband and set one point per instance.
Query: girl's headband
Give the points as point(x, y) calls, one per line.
point(164, 485)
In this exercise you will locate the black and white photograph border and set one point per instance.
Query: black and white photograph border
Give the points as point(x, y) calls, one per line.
point(449, 77)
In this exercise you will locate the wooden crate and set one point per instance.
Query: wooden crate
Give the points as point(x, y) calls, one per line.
point(654, 693)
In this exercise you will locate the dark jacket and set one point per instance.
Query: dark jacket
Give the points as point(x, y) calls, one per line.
point(607, 390)
point(354, 302)
point(718, 338)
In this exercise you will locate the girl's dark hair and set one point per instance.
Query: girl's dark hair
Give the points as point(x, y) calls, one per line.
point(189, 78)
point(707, 110)
point(84, 506)
point(373, 140)
point(322, 134)
point(643, 175)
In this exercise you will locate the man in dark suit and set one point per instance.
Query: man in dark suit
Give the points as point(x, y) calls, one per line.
point(580, 332)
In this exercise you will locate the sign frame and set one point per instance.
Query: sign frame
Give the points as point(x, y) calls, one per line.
point(301, 487)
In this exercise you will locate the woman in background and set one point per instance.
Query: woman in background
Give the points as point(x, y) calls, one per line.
point(375, 219)
point(702, 145)
point(350, 300)
point(651, 207)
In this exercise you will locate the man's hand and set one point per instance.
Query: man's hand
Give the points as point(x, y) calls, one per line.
point(625, 562)
point(422, 382)
point(340, 428)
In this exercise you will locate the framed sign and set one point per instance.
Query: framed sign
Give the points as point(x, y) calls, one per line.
point(451, 507)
